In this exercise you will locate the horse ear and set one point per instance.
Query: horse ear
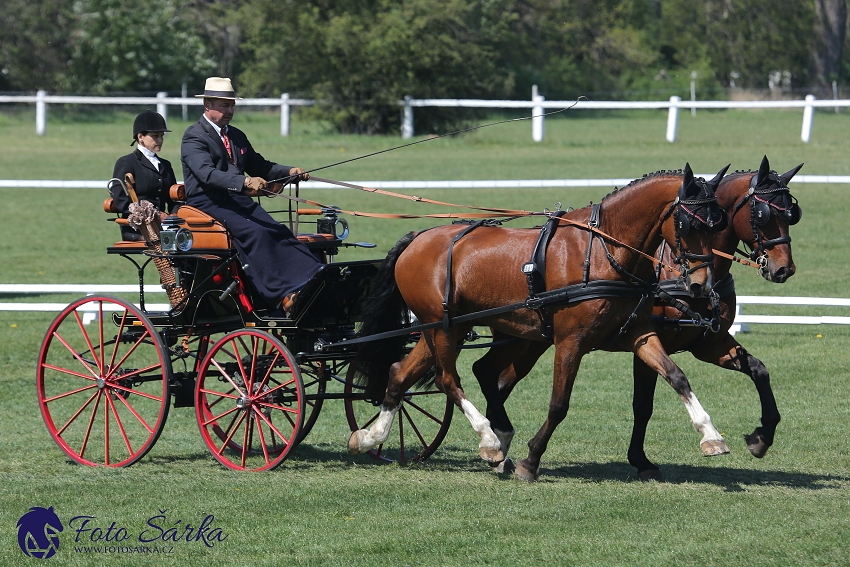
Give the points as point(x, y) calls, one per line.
point(688, 184)
point(786, 177)
point(714, 183)
point(764, 171)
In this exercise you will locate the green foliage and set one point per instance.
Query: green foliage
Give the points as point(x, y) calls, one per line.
point(749, 37)
point(35, 44)
point(359, 60)
point(125, 45)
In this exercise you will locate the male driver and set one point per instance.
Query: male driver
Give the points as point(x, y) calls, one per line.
point(216, 157)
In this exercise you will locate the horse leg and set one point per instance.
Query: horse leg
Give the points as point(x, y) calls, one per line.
point(650, 351)
point(567, 358)
point(728, 353)
point(448, 381)
point(645, 379)
point(489, 371)
point(402, 376)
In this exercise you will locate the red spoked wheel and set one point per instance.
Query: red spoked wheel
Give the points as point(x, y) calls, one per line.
point(249, 400)
point(103, 382)
point(420, 426)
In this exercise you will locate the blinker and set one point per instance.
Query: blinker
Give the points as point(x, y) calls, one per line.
point(761, 212)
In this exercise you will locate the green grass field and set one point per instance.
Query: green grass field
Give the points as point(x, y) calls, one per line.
point(324, 507)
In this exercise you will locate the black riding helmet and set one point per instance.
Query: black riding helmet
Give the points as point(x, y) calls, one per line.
point(148, 121)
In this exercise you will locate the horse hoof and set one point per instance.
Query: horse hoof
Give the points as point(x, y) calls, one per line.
point(713, 448)
point(756, 444)
point(354, 443)
point(492, 456)
point(522, 472)
point(505, 467)
point(649, 475)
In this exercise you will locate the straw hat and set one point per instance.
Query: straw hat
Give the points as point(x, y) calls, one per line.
point(219, 87)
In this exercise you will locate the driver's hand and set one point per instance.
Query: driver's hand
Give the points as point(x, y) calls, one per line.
point(297, 174)
point(254, 186)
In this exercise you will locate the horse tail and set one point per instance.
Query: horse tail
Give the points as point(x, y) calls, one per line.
point(384, 311)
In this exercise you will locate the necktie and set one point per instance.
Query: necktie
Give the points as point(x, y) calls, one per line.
point(226, 141)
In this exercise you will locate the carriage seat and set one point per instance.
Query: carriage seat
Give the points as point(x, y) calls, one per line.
point(207, 233)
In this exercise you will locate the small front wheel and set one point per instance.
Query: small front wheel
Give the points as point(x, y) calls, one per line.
point(249, 401)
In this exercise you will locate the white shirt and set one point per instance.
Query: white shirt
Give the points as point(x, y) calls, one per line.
point(152, 157)
point(216, 127)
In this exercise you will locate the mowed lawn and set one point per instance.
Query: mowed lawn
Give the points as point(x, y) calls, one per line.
point(324, 507)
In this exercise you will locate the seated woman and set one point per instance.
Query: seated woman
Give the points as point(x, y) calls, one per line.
point(153, 175)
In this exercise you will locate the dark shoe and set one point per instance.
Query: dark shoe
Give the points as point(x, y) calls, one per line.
point(288, 302)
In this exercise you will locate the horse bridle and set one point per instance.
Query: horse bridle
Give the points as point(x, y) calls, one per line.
point(763, 203)
point(695, 213)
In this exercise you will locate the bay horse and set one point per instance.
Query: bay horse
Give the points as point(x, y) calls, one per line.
point(760, 210)
point(445, 273)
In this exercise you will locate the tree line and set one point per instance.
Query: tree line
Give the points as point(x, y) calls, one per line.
point(359, 57)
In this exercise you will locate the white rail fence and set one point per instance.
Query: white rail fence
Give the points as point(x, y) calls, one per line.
point(742, 321)
point(538, 105)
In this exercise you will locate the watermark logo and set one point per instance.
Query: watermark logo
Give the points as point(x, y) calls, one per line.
point(38, 532)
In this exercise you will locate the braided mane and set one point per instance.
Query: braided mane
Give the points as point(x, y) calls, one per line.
point(644, 178)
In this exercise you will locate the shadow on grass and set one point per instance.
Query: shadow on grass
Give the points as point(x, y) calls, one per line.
point(729, 478)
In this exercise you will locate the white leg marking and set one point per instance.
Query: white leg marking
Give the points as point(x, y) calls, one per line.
point(380, 430)
point(481, 425)
point(701, 420)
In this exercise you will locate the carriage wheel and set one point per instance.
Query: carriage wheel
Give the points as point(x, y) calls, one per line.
point(315, 384)
point(422, 422)
point(103, 384)
point(249, 391)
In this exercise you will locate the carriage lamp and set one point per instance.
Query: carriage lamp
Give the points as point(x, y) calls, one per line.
point(328, 223)
point(174, 239)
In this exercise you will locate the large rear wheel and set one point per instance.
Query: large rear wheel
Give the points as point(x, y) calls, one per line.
point(249, 392)
point(103, 382)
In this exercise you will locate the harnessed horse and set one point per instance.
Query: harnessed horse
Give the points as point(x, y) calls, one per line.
point(598, 281)
point(760, 209)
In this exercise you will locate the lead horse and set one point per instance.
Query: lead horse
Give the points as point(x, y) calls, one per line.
point(598, 281)
point(760, 210)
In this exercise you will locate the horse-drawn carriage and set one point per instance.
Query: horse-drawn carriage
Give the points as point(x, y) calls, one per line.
point(108, 370)
point(258, 381)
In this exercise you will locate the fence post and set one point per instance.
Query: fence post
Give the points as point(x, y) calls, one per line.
point(40, 113)
point(537, 116)
point(693, 92)
point(183, 94)
point(161, 106)
point(284, 114)
point(407, 119)
point(835, 93)
point(673, 118)
point(808, 111)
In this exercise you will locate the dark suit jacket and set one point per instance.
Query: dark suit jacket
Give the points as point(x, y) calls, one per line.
point(151, 185)
point(206, 166)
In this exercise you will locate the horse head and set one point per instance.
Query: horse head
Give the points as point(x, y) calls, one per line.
point(762, 210)
point(696, 216)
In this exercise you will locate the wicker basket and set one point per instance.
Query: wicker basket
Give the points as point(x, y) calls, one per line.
point(144, 217)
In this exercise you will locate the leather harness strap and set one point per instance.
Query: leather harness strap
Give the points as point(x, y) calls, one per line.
point(535, 271)
point(446, 318)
